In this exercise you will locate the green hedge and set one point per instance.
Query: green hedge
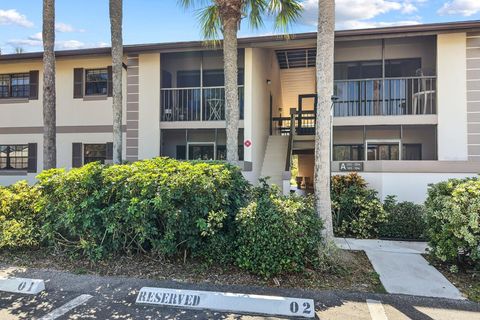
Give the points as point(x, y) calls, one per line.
point(357, 211)
point(277, 234)
point(453, 218)
point(19, 216)
point(160, 205)
point(165, 208)
point(405, 220)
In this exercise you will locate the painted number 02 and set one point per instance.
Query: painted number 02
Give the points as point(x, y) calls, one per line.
point(294, 307)
point(23, 285)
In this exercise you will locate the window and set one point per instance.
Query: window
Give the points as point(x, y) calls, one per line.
point(222, 152)
point(373, 69)
point(94, 152)
point(205, 152)
point(412, 152)
point(201, 152)
point(347, 152)
point(96, 82)
point(383, 151)
point(14, 157)
point(15, 85)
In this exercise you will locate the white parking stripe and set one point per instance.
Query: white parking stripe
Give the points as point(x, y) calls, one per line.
point(67, 307)
point(377, 312)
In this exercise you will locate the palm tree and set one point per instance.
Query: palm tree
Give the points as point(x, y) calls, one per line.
point(226, 16)
point(117, 62)
point(325, 57)
point(49, 94)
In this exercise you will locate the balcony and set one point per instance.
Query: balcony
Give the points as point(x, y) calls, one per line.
point(368, 97)
point(386, 97)
point(195, 104)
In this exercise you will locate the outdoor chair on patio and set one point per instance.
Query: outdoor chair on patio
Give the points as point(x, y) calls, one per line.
point(215, 107)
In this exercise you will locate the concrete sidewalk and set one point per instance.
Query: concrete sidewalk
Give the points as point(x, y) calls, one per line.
point(402, 268)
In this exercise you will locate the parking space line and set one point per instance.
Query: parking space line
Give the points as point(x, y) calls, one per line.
point(377, 312)
point(67, 307)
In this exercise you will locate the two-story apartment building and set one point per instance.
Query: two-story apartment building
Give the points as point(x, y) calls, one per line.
point(406, 114)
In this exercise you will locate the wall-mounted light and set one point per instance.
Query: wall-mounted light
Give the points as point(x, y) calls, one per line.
point(269, 82)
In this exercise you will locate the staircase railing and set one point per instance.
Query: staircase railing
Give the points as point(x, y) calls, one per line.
point(288, 163)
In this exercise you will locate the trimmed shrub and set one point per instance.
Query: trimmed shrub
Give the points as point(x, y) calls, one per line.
point(277, 234)
point(19, 217)
point(405, 220)
point(162, 205)
point(453, 218)
point(357, 211)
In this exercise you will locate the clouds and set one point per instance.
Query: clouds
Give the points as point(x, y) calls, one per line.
point(355, 14)
point(34, 41)
point(462, 7)
point(13, 17)
point(64, 28)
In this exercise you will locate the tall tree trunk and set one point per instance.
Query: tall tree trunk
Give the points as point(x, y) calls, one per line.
point(117, 61)
point(49, 95)
point(232, 109)
point(325, 57)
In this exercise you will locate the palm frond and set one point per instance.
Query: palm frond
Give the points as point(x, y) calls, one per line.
point(211, 24)
point(285, 12)
point(254, 10)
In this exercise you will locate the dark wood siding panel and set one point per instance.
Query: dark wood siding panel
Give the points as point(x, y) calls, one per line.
point(109, 83)
point(109, 151)
point(78, 83)
point(77, 155)
point(33, 85)
point(32, 157)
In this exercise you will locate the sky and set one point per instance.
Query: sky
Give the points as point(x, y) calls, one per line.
point(85, 23)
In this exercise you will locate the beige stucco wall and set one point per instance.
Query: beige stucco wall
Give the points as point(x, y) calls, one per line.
point(257, 100)
point(88, 118)
point(64, 150)
point(306, 165)
point(70, 111)
point(452, 100)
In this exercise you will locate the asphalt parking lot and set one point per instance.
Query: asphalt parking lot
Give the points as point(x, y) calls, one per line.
point(70, 296)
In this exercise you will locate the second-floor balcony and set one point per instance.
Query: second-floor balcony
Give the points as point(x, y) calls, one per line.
point(386, 96)
point(196, 103)
point(409, 96)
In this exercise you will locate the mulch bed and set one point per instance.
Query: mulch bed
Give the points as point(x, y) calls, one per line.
point(354, 272)
point(467, 281)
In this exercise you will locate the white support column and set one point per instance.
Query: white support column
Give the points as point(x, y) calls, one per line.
point(452, 96)
point(149, 106)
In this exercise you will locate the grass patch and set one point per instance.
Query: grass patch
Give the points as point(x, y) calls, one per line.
point(467, 281)
point(353, 271)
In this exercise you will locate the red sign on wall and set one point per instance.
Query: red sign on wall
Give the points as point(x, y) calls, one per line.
point(247, 143)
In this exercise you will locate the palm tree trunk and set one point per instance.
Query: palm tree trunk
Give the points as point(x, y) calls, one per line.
point(325, 59)
point(232, 110)
point(49, 95)
point(117, 61)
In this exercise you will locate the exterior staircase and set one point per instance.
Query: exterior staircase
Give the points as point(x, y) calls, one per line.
point(275, 159)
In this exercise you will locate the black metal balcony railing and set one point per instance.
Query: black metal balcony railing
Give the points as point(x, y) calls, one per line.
point(304, 124)
point(369, 97)
point(385, 97)
point(195, 104)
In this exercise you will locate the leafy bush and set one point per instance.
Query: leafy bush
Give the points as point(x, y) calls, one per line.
point(19, 218)
point(160, 205)
point(357, 211)
point(277, 234)
point(405, 220)
point(453, 218)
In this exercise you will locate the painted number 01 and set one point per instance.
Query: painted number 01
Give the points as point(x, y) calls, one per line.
point(23, 285)
point(294, 307)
